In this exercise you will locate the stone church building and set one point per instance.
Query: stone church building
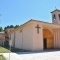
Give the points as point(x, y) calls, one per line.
point(37, 35)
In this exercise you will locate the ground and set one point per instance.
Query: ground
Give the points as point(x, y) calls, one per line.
point(42, 55)
point(24, 55)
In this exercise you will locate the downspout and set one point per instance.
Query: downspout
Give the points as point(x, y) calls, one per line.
point(14, 39)
point(22, 38)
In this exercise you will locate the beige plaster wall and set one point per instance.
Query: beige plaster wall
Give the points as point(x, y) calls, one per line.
point(12, 39)
point(37, 38)
point(24, 38)
point(56, 38)
point(18, 39)
point(28, 37)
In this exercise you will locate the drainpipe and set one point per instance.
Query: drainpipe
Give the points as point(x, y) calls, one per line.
point(14, 39)
point(22, 38)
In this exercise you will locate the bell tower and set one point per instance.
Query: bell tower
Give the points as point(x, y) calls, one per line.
point(56, 16)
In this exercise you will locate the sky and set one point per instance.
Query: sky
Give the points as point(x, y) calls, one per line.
point(17, 12)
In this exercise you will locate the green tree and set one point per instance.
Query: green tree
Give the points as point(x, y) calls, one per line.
point(8, 26)
point(16, 26)
point(11, 26)
point(5, 28)
point(1, 29)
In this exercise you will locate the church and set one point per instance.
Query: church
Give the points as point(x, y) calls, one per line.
point(37, 35)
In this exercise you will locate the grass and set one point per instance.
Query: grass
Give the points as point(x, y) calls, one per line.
point(2, 58)
point(4, 50)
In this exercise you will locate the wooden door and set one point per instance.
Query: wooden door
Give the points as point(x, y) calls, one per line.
point(45, 43)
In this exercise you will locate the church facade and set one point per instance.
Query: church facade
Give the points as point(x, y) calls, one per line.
point(36, 35)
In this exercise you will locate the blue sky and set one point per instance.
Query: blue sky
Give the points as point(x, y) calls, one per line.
point(17, 12)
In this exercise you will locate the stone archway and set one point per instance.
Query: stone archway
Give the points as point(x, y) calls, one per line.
point(48, 39)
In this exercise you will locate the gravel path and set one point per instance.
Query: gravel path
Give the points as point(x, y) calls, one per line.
point(55, 55)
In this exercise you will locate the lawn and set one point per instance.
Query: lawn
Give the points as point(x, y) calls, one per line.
point(4, 50)
point(2, 58)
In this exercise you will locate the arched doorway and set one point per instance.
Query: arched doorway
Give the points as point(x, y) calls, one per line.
point(6, 43)
point(48, 41)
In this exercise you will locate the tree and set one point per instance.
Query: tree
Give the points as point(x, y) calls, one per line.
point(11, 26)
point(16, 26)
point(8, 26)
point(1, 29)
point(5, 28)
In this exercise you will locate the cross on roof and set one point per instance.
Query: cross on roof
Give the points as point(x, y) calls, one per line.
point(38, 28)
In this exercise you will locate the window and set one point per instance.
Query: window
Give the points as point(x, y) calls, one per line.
point(59, 16)
point(20, 31)
point(5, 32)
point(54, 17)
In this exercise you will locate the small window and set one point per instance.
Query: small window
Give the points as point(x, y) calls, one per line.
point(54, 17)
point(20, 31)
point(59, 16)
point(5, 32)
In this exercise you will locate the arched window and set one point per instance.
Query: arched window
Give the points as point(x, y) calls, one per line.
point(54, 17)
point(59, 16)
